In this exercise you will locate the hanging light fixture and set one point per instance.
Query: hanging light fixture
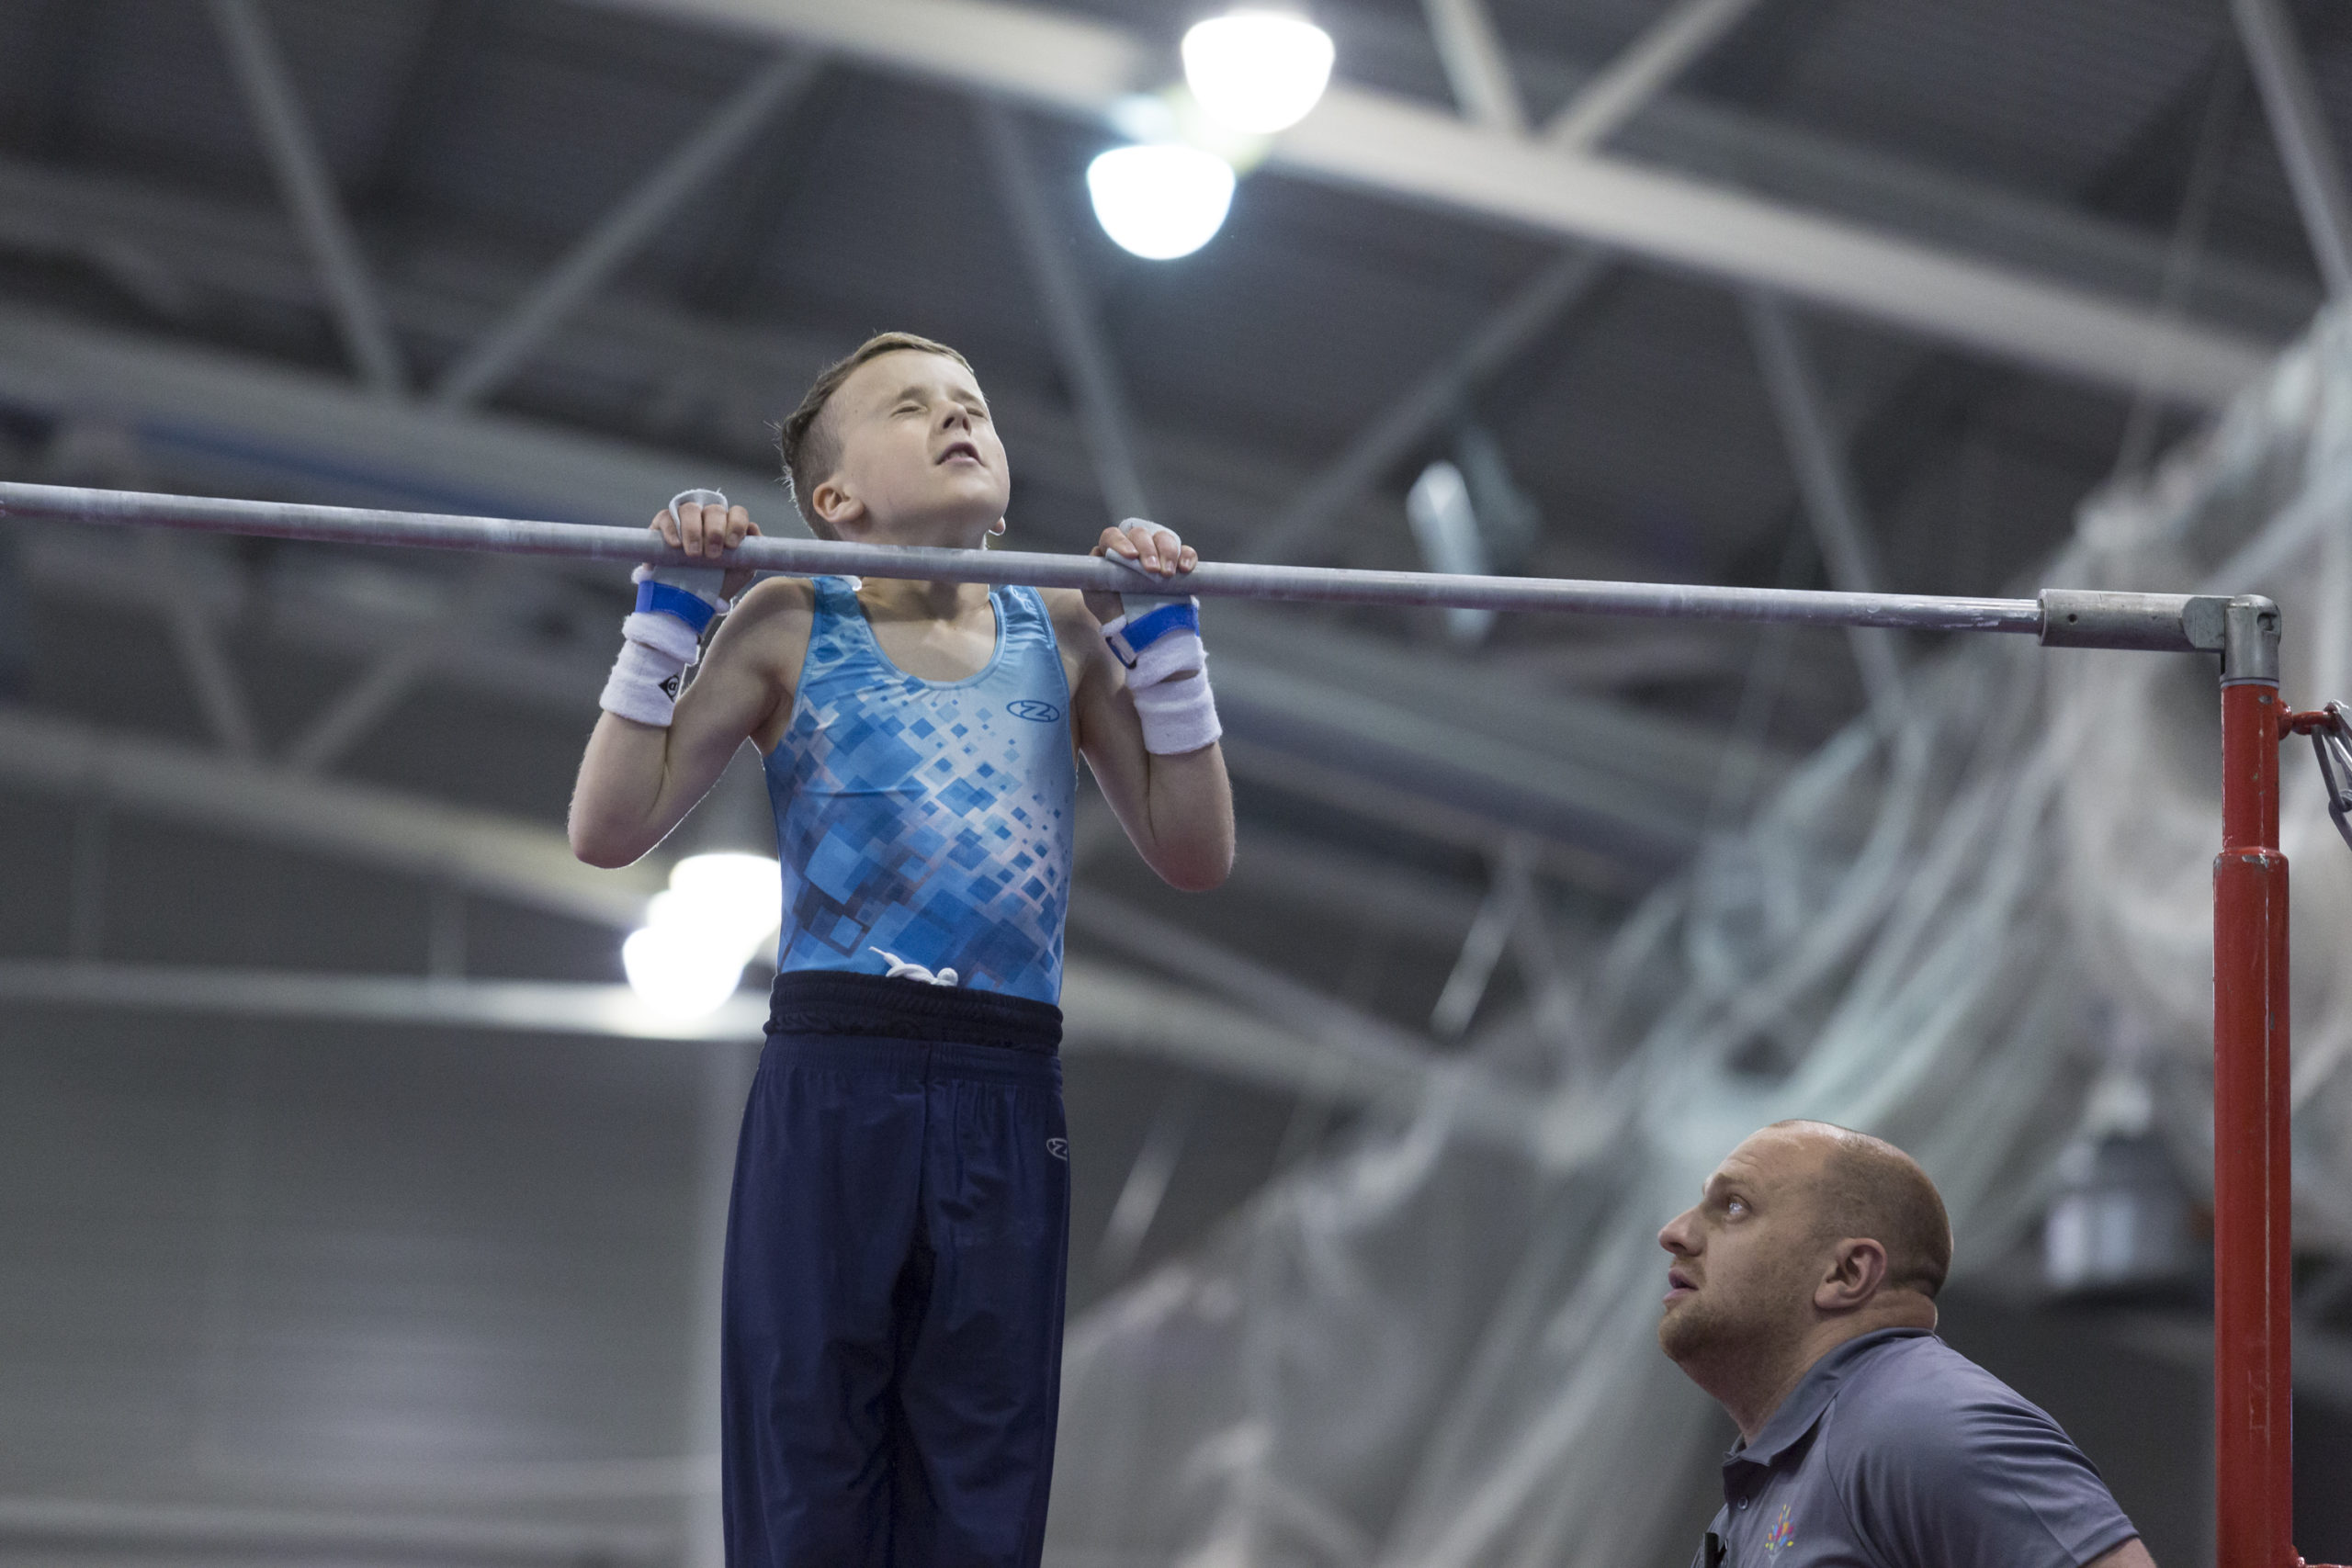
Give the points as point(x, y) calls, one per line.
point(1161, 201)
point(1257, 71)
point(689, 956)
point(1247, 74)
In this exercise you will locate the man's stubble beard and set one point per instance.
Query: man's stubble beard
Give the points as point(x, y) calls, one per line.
point(1704, 1332)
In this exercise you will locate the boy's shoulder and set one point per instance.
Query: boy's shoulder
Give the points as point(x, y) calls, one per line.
point(768, 624)
point(774, 596)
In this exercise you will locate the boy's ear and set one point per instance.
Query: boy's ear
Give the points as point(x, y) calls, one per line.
point(835, 505)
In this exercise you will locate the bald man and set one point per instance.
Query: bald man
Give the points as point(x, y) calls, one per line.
point(1802, 1296)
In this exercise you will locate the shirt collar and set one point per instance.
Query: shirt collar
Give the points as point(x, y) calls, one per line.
point(1802, 1408)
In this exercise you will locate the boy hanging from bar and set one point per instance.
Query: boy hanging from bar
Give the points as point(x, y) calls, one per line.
point(897, 1242)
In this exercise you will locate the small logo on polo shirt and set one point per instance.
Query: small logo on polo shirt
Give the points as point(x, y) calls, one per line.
point(1783, 1533)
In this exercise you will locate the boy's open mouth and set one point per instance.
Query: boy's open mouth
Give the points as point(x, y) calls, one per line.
point(958, 449)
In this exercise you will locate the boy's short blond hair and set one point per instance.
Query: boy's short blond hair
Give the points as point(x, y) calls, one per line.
point(806, 439)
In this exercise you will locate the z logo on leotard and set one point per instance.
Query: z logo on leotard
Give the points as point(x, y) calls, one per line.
point(1057, 1147)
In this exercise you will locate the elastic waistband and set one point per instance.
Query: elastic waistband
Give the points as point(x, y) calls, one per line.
point(839, 1001)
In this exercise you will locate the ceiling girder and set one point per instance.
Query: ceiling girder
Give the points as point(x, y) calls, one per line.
point(1396, 148)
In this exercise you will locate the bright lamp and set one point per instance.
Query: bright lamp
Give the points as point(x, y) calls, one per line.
point(689, 958)
point(1257, 71)
point(1161, 202)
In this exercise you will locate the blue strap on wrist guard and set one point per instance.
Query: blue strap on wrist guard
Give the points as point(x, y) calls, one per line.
point(1137, 633)
point(660, 598)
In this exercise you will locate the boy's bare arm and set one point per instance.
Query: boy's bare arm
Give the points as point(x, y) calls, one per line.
point(1176, 807)
point(639, 781)
point(1176, 810)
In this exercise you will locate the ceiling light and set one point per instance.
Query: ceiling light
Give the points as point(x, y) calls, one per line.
point(1257, 71)
point(718, 911)
point(675, 974)
point(1161, 202)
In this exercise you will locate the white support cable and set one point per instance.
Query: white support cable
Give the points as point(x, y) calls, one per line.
point(1825, 485)
point(1537, 950)
point(1482, 949)
point(1425, 406)
point(1510, 920)
point(309, 187)
point(1146, 1188)
point(625, 231)
point(1475, 66)
point(1100, 400)
point(1641, 71)
point(2186, 253)
point(2299, 128)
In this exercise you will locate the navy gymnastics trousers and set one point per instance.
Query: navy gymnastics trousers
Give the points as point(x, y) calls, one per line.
point(895, 1255)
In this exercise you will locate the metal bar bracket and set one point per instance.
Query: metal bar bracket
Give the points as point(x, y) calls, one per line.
point(2154, 623)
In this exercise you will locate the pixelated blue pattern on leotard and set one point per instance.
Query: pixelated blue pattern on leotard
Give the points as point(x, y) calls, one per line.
point(927, 818)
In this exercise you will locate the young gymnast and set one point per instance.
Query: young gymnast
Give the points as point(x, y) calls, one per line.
point(897, 1242)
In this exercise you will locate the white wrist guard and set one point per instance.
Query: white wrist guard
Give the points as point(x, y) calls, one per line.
point(653, 667)
point(1168, 676)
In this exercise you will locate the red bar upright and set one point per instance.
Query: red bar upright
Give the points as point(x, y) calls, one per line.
point(2252, 1388)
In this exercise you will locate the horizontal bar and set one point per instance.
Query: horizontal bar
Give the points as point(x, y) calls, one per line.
point(2143, 621)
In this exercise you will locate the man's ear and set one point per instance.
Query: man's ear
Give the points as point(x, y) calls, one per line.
point(1856, 1270)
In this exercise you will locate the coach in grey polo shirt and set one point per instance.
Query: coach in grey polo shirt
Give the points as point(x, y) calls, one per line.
point(1802, 1296)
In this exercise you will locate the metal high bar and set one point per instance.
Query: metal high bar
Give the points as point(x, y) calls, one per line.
point(2058, 617)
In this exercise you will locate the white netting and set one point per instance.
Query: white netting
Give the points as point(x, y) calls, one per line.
point(1431, 1351)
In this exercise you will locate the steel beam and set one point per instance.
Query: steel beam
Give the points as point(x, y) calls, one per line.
point(309, 186)
point(1825, 485)
point(2299, 127)
point(1105, 1010)
point(1639, 74)
point(220, 695)
point(391, 676)
point(1475, 66)
point(239, 421)
point(41, 1526)
point(1412, 418)
point(434, 842)
point(1395, 148)
point(608, 246)
point(372, 694)
point(1351, 1046)
point(1099, 399)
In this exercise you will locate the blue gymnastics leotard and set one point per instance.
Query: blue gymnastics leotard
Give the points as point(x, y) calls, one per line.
point(927, 819)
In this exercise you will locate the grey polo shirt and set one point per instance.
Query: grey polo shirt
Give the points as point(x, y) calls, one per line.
point(1897, 1452)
